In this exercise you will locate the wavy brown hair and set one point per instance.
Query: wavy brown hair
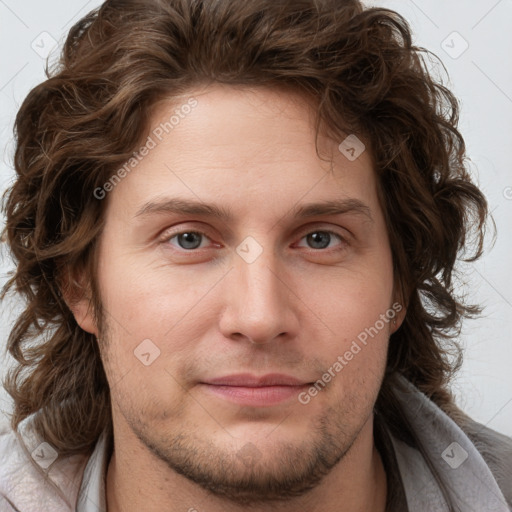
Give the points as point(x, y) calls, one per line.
point(82, 123)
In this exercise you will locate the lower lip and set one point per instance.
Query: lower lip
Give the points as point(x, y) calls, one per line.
point(256, 396)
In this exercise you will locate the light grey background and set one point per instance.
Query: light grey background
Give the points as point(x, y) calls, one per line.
point(481, 77)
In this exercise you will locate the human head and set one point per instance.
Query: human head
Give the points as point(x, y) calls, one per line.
point(79, 127)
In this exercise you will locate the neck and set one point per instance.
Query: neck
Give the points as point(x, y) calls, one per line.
point(137, 480)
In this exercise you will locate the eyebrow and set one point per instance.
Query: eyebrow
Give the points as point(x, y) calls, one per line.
point(177, 205)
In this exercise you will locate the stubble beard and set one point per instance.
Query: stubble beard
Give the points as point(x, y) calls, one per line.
point(252, 478)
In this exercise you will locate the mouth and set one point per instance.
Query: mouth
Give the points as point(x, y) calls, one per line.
point(255, 391)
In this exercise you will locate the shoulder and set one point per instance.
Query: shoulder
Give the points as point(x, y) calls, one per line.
point(32, 476)
point(494, 447)
point(472, 461)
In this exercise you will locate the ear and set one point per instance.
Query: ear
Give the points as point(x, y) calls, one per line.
point(77, 296)
point(400, 309)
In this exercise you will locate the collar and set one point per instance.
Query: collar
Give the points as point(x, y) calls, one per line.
point(92, 494)
point(448, 457)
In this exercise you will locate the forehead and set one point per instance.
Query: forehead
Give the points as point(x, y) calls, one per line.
point(240, 118)
point(251, 146)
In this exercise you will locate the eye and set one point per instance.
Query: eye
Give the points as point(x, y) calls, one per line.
point(187, 240)
point(192, 240)
point(321, 239)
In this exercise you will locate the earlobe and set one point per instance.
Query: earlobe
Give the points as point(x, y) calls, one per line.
point(83, 313)
point(396, 324)
point(400, 312)
point(77, 299)
point(399, 308)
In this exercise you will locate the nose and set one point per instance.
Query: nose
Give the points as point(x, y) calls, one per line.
point(260, 303)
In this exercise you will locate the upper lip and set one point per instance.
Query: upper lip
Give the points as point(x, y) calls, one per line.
point(254, 381)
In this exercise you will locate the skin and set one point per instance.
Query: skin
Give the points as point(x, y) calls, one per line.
point(293, 310)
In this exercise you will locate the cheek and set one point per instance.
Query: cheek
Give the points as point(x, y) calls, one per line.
point(156, 318)
point(354, 368)
point(357, 317)
point(150, 299)
point(348, 302)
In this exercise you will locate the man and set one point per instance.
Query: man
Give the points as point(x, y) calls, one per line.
point(235, 225)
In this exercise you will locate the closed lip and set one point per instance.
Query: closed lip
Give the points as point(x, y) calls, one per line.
point(255, 381)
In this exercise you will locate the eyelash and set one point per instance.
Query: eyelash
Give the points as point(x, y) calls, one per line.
point(168, 236)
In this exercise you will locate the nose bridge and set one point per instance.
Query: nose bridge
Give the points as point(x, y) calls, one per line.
point(260, 283)
point(256, 265)
point(258, 303)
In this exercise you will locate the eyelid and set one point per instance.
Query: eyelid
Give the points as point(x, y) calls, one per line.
point(344, 242)
point(178, 230)
point(167, 235)
point(318, 226)
point(305, 230)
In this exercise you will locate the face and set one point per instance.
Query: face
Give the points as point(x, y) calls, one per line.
point(246, 330)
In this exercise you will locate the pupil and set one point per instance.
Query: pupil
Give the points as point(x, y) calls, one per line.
point(192, 241)
point(187, 240)
point(317, 237)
